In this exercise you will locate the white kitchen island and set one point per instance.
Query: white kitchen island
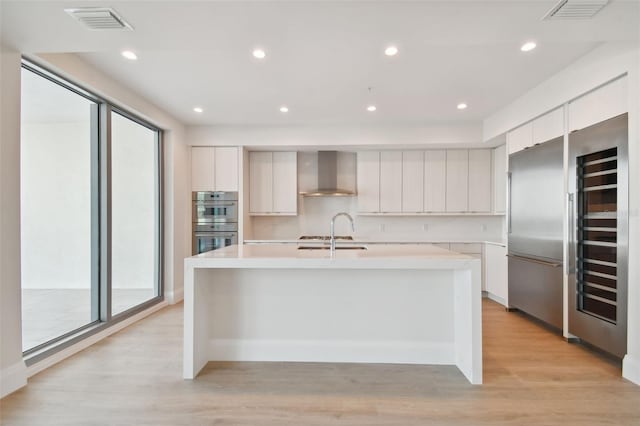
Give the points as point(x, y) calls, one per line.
point(414, 304)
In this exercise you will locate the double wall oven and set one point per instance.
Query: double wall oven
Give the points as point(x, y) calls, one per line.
point(215, 220)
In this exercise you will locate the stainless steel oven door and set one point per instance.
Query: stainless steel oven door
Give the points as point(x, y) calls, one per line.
point(207, 241)
point(215, 211)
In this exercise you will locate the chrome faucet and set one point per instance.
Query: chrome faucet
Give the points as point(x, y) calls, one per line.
point(333, 230)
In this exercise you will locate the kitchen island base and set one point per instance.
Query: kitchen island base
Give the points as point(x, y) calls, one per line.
point(340, 312)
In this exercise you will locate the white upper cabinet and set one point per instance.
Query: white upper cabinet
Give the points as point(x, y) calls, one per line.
point(500, 179)
point(260, 182)
point(203, 168)
point(479, 181)
point(412, 181)
point(548, 126)
point(391, 181)
point(273, 183)
point(285, 183)
point(368, 181)
point(601, 104)
point(435, 181)
point(520, 138)
point(226, 168)
point(214, 168)
point(457, 181)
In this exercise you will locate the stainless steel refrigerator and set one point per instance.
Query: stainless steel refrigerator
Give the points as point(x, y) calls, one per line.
point(535, 231)
point(599, 234)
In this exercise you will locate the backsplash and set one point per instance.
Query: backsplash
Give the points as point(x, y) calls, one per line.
point(314, 215)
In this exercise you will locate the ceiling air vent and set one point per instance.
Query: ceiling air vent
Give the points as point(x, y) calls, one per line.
point(99, 18)
point(575, 9)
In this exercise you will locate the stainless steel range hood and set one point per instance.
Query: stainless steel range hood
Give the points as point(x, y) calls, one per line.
point(328, 177)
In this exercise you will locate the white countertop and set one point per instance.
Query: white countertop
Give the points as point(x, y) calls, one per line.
point(367, 242)
point(376, 256)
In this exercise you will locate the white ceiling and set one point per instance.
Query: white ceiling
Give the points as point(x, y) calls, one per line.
point(323, 55)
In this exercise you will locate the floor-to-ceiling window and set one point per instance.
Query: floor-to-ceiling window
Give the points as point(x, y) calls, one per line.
point(90, 212)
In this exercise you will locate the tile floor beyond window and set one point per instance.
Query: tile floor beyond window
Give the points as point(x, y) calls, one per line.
point(49, 313)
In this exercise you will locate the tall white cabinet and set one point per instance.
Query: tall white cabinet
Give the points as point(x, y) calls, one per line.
point(391, 181)
point(214, 168)
point(273, 183)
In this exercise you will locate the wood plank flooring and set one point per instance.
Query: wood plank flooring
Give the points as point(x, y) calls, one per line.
point(532, 377)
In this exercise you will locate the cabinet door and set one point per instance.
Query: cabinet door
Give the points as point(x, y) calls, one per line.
point(479, 180)
point(606, 102)
point(391, 181)
point(202, 168)
point(260, 182)
point(226, 169)
point(500, 179)
point(285, 182)
point(496, 279)
point(435, 181)
point(412, 181)
point(457, 180)
point(368, 175)
point(520, 138)
point(548, 126)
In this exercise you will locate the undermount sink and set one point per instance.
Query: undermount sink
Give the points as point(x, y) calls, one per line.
point(327, 248)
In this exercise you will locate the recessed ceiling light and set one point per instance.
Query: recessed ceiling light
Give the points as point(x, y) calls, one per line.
point(129, 55)
point(198, 109)
point(391, 51)
point(371, 108)
point(284, 109)
point(259, 54)
point(528, 46)
point(462, 105)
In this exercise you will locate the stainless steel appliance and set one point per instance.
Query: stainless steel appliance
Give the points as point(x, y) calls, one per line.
point(535, 231)
point(599, 234)
point(215, 220)
point(209, 207)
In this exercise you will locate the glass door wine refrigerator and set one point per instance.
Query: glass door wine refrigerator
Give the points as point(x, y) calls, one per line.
point(598, 234)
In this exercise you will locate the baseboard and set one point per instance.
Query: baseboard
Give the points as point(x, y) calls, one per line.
point(401, 352)
point(496, 299)
point(631, 368)
point(85, 343)
point(12, 378)
point(174, 297)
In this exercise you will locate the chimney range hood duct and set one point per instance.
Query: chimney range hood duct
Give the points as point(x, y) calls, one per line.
point(328, 177)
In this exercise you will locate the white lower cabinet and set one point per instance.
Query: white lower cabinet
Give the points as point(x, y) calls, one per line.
point(495, 273)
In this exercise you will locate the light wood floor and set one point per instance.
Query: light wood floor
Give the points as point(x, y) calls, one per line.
point(532, 377)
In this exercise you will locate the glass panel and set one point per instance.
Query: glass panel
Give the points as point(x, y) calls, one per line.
point(56, 213)
point(599, 201)
point(597, 282)
point(134, 213)
point(605, 254)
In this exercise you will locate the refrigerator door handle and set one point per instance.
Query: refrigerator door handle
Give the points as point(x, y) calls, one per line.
point(570, 230)
point(509, 202)
point(530, 259)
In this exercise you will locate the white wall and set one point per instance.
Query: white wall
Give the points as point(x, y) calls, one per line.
point(461, 134)
point(594, 69)
point(12, 368)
